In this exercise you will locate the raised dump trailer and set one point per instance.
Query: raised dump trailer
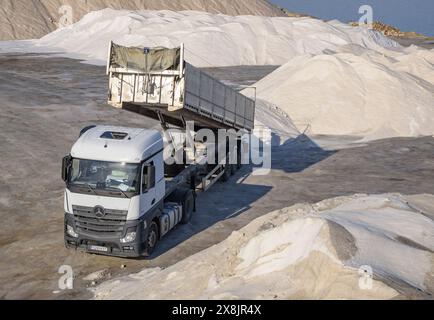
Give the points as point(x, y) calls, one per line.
point(122, 196)
point(158, 81)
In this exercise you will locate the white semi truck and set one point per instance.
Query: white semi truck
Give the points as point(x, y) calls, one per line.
point(121, 194)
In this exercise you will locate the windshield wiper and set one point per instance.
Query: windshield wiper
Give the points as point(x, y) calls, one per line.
point(91, 189)
point(118, 190)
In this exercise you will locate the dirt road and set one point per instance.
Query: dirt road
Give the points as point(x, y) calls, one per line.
point(45, 102)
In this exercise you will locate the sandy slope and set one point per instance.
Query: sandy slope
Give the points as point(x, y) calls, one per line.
point(29, 19)
point(316, 251)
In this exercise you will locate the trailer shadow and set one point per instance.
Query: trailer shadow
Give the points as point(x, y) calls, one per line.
point(223, 202)
point(226, 201)
point(298, 154)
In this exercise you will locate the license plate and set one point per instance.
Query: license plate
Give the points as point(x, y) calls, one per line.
point(98, 248)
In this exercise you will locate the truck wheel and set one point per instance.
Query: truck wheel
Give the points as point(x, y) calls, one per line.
point(185, 197)
point(152, 240)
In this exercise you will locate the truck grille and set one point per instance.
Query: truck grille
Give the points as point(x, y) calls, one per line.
point(111, 225)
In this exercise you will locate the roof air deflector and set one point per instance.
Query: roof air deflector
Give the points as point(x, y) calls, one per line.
point(114, 135)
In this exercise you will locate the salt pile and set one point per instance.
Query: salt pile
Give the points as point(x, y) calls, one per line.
point(320, 251)
point(365, 95)
point(31, 19)
point(210, 39)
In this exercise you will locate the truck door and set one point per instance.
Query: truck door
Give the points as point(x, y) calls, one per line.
point(148, 191)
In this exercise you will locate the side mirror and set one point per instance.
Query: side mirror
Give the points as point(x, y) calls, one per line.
point(66, 163)
point(148, 178)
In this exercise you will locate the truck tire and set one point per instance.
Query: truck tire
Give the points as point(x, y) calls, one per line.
point(184, 197)
point(152, 239)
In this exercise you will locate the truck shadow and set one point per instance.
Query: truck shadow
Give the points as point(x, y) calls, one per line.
point(223, 202)
point(226, 206)
point(298, 154)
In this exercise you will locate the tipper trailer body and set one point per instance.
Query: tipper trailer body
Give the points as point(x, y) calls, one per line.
point(122, 196)
point(180, 91)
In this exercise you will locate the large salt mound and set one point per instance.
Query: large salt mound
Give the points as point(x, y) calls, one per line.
point(212, 40)
point(366, 95)
point(306, 251)
point(31, 19)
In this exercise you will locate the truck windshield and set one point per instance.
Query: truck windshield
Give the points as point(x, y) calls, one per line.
point(104, 178)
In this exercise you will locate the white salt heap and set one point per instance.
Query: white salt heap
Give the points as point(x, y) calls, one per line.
point(32, 19)
point(211, 40)
point(318, 251)
point(365, 95)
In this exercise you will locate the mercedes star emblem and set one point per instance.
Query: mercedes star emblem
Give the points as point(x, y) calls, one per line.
point(99, 212)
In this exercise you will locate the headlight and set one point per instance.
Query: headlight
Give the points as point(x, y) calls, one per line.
point(71, 232)
point(130, 237)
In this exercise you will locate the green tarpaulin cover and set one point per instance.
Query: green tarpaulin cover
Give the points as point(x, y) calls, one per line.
point(155, 59)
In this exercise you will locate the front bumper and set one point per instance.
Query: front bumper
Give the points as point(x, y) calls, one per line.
point(113, 245)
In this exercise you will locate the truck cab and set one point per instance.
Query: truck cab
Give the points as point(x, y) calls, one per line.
point(115, 198)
